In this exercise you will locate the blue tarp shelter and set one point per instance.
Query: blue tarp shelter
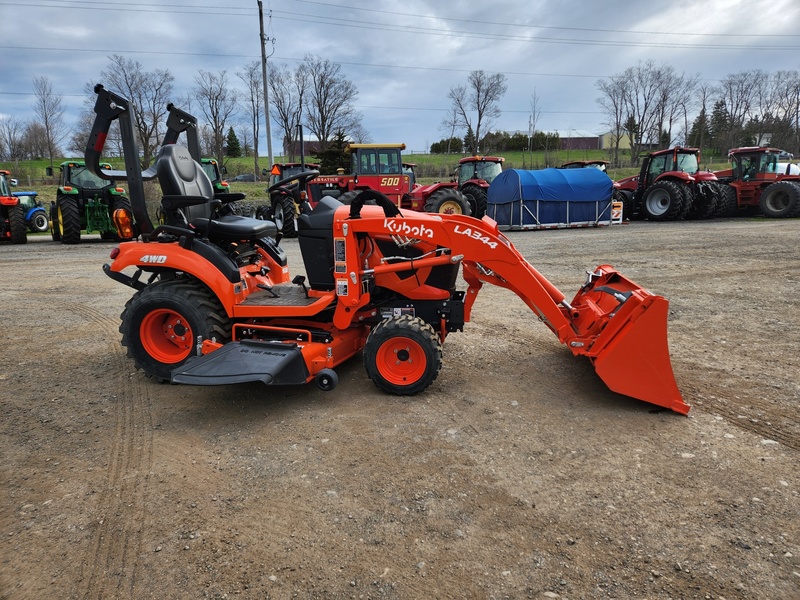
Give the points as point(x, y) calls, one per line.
point(550, 198)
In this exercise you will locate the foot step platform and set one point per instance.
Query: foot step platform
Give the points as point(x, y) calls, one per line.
point(272, 363)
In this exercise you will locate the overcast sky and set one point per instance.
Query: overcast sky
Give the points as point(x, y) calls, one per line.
point(403, 57)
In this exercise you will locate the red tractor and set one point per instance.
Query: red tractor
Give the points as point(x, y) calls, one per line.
point(214, 302)
point(13, 227)
point(473, 175)
point(380, 167)
point(670, 186)
point(757, 181)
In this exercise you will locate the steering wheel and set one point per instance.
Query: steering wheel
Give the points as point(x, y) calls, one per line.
point(302, 179)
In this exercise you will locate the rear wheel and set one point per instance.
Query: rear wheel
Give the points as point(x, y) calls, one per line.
point(16, 224)
point(781, 199)
point(161, 323)
point(477, 198)
point(705, 201)
point(448, 201)
point(403, 355)
point(663, 201)
point(727, 204)
point(69, 219)
point(55, 225)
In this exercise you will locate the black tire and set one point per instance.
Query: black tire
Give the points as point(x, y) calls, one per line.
point(348, 197)
point(263, 213)
point(477, 198)
point(663, 201)
point(16, 224)
point(184, 306)
point(403, 355)
point(69, 219)
point(727, 204)
point(284, 208)
point(39, 222)
point(55, 225)
point(780, 200)
point(629, 212)
point(448, 201)
point(705, 201)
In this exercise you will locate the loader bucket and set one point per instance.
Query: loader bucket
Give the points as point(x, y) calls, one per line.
point(630, 352)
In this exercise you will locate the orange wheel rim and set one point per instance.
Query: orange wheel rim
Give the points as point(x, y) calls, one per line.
point(401, 361)
point(166, 336)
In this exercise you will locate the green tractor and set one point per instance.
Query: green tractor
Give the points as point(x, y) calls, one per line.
point(85, 202)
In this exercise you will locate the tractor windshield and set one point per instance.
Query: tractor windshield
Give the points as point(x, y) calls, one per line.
point(479, 170)
point(4, 186)
point(212, 171)
point(82, 177)
point(688, 163)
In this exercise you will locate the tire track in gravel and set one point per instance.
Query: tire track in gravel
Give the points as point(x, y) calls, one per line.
point(110, 569)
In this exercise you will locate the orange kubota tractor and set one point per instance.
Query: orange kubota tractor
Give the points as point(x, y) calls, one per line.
point(215, 303)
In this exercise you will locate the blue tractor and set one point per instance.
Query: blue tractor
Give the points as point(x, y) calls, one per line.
point(35, 215)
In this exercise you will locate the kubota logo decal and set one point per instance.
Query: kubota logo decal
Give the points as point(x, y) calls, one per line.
point(475, 235)
point(153, 258)
point(403, 228)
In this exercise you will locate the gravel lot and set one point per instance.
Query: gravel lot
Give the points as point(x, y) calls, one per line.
point(516, 475)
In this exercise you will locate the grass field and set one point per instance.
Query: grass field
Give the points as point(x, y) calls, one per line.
point(429, 167)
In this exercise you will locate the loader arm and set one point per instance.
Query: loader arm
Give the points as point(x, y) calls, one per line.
point(617, 324)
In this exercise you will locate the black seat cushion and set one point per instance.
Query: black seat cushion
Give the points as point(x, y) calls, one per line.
point(232, 228)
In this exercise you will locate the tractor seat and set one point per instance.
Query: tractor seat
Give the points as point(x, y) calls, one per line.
point(189, 200)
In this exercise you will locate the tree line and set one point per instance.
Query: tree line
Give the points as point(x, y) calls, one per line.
point(646, 105)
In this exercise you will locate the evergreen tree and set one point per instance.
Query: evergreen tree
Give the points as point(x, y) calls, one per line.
point(234, 149)
point(720, 127)
point(334, 156)
point(700, 134)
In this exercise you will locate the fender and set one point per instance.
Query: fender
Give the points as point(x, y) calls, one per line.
point(171, 257)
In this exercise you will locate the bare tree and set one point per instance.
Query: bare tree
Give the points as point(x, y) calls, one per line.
point(11, 138)
point(148, 91)
point(50, 111)
point(449, 125)
point(329, 106)
point(218, 103)
point(36, 141)
point(251, 99)
point(481, 97)
point(613, 104)
point(533, 120)
point(288, 89)
point(738, 91)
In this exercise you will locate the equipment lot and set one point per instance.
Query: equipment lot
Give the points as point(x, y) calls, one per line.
point(517, 474)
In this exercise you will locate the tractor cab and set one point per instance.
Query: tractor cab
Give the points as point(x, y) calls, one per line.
point(484, 168)
point(215, 173)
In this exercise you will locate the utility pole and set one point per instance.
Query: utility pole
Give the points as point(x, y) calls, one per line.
point(264, 79)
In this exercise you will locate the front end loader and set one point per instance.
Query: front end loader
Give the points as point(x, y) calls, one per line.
point(215, 302)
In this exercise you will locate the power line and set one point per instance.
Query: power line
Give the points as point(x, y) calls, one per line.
point(483, 23)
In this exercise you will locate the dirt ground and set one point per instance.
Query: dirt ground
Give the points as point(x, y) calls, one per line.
point(516, 475)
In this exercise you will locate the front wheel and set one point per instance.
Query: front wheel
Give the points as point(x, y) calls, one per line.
point(477, 198)
point(448, 201)
point(161, 324)
point(781, 199)
point(403, 355)
point(54, 223)
point(283, 213)
point(663, 201)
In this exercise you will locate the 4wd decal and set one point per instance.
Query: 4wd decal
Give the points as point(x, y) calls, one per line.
point(475, 235)
point(403, 228)
point(154, 259)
